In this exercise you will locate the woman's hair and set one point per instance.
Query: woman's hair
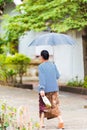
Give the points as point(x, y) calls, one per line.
point(45, 54)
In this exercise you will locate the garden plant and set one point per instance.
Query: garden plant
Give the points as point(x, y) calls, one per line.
point(78, 83)
point(12, 66)
point(8, 118)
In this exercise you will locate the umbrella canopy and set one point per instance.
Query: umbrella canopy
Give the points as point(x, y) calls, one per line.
point(52, 39)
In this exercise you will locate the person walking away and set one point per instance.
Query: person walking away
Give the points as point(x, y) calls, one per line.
point(48, 86)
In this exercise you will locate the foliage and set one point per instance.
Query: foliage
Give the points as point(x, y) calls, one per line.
point(3, 69)
point(5, 1)
point(56, 15)
point(8, 118)
point(75, 83)
point(85, 82)
point(7, 73)
point(19, 63)
point(3, 48)
point(78, 83)
point(1, 42)
point(3, 4)
point(13, 65)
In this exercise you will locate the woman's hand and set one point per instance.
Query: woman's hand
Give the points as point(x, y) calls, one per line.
point(42, 93)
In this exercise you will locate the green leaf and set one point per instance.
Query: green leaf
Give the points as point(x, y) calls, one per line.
point(38, 15)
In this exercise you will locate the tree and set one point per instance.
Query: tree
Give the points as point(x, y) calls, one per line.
point(40, 15)
point(1, 42)
point(3, 4)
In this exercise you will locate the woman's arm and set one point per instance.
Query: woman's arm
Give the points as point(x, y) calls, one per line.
point(57, 73)
point(41, 79)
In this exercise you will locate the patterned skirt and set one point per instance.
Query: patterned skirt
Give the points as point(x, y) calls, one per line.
point(54, 110)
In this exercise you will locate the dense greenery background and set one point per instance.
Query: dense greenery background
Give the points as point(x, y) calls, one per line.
point(2, 5)
point(52, 15)
point(4, 1)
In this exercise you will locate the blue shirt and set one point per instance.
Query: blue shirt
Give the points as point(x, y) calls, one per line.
point(48, 75)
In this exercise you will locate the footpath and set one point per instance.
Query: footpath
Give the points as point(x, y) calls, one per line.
point(72, 106)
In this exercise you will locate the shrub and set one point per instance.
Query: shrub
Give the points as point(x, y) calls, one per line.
point(18, 63)
point(85, 82)
point(13, 65)
point(3, 69)
point(75, 83)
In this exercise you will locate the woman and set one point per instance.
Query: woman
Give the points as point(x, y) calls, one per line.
point(48, 86)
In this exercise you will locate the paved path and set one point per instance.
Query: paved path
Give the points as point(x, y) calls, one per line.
point(72, 105)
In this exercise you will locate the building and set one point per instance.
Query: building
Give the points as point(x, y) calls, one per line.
point(71, 60)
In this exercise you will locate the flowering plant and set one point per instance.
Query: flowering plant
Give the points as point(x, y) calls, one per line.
point(17, 119)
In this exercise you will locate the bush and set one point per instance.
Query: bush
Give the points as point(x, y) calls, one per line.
point(85, 82)
point(75, 83)
point(3, 69)
point(18, 63)
point(13, 65)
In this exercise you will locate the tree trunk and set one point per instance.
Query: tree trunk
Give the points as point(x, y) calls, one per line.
point(20, 75)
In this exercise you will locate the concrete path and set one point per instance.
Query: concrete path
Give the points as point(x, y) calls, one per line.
point(72, 106)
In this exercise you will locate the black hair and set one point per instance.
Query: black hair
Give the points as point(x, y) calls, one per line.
point(45, 54)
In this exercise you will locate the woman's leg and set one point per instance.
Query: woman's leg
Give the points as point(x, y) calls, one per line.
point(61, 123)
point(42, 120)
point(60, 119)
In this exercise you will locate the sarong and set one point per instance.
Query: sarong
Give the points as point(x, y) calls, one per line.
point(53, 111)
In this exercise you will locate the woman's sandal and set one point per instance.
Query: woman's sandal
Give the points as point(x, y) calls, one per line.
point(43, 126)
point(61, 125)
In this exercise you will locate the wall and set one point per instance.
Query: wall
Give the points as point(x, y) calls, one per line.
point(68, 58)
point(24, 42)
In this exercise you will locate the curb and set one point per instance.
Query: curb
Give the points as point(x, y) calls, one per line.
point(78, 90)
point(24, 86)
